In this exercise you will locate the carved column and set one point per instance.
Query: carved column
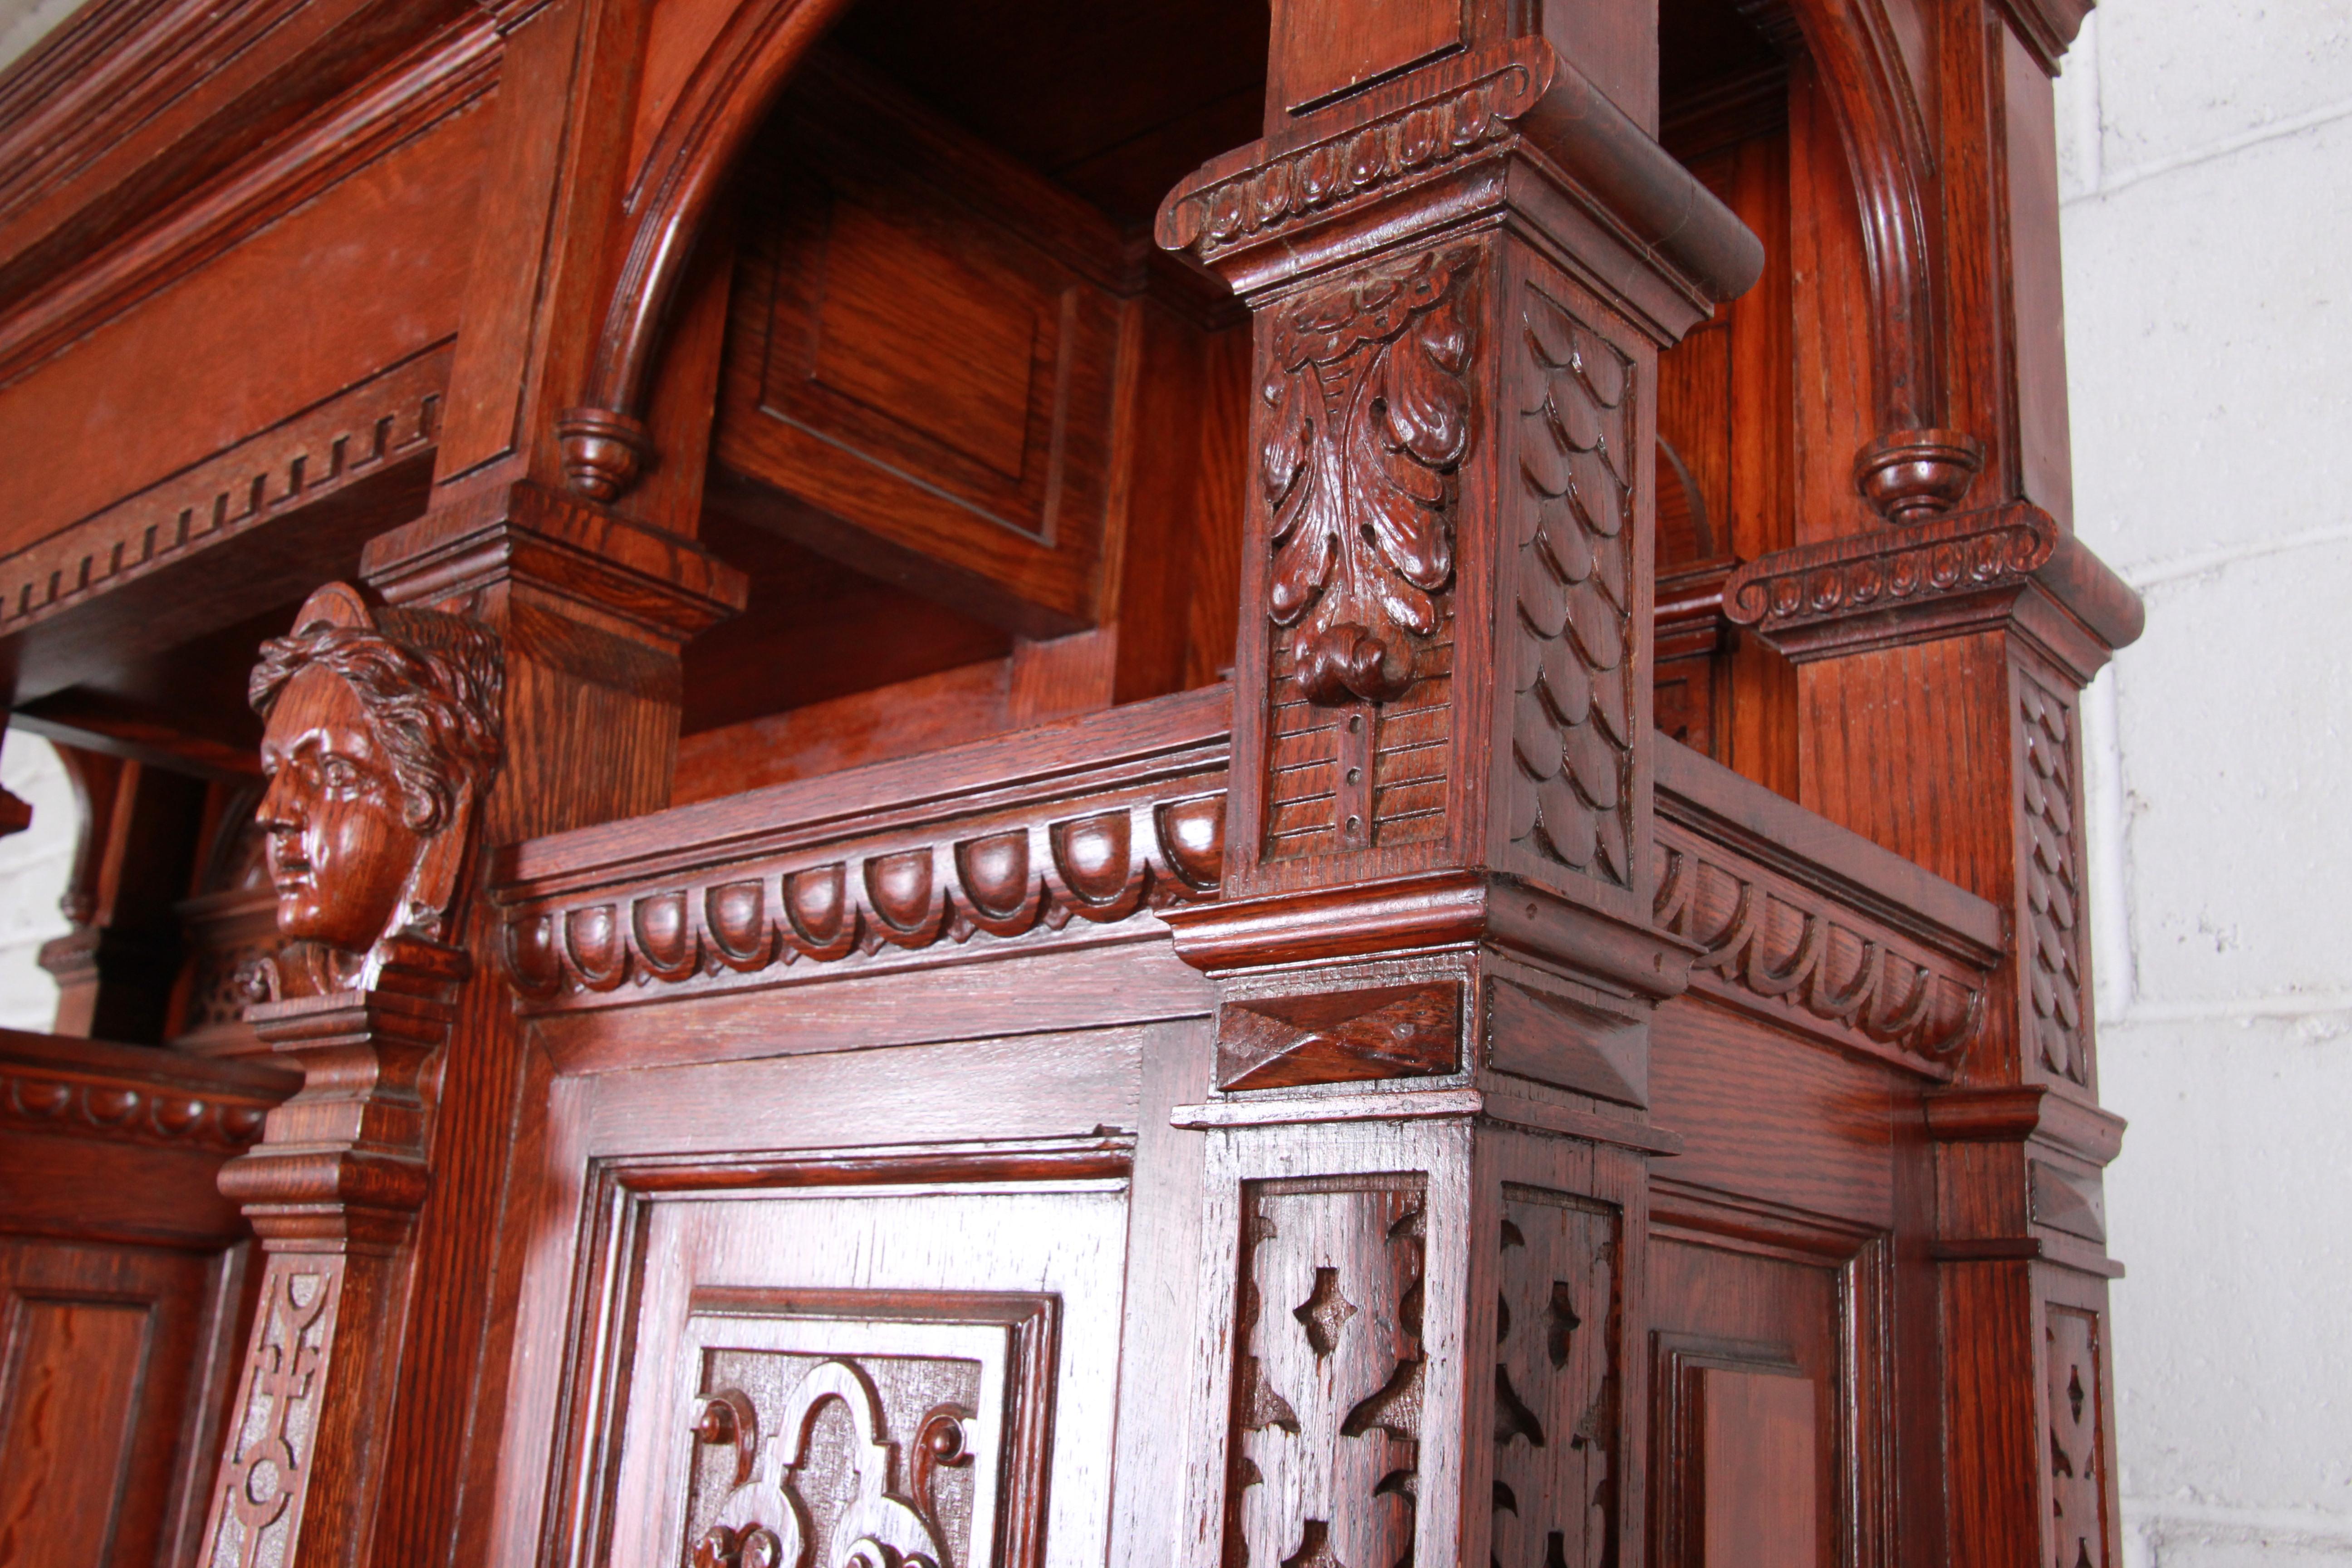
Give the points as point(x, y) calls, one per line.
point(592, 604)
point(383, 734)
point(1941, 668)
point(1433, 956)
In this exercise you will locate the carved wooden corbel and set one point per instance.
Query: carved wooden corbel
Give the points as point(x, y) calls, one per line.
point(384, 732)
point(607, 444)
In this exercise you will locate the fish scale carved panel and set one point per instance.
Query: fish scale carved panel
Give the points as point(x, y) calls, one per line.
point(1558, 1325)
point(1325, 1445)
point(2053, 880)
point(1573, 710)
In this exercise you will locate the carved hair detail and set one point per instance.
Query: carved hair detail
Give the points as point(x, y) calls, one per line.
point(432, 686)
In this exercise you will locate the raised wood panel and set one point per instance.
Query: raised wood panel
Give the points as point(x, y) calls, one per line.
point(1758, 1495)
point(109, 1369)
point(923, 354)
point(69, 1401)
point(1770, 1382)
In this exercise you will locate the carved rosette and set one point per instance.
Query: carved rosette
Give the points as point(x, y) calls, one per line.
point(1574, 708)
point(1367, 419)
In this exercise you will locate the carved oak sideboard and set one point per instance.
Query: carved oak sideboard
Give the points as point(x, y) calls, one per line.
point(887, 785)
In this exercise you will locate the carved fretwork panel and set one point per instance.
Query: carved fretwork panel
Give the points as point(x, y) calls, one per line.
point(1325, 1441)
point(2053, 850)
point(1577, 527)
point(1557, 1424)
point(868, 1430)
point(2078, 1450)
point(265, 1469)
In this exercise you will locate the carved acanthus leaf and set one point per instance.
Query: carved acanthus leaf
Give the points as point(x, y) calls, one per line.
point(1368, 420)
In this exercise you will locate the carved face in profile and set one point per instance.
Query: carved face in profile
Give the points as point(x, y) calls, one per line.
point(340, 848)
point(383, 732)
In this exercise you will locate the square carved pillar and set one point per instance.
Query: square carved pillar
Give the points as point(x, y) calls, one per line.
point(1941, 663)
point(1425, 1190)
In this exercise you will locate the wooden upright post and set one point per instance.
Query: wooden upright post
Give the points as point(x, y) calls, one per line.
point(591, 607)
point(1463, 251)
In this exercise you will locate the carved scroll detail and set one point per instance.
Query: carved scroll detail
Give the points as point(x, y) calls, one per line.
point(896, 891)
point(1766, 938)
point(1367, 419)
point(1557, 1381)
point(2077, 1456)
point(2053, 880)
point(885, 1430)
point(265, 1472)
point(1325, 1437)
point(765, 1521)
point(1573, 715)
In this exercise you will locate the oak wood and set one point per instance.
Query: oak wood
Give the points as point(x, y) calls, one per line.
point(1175, 823)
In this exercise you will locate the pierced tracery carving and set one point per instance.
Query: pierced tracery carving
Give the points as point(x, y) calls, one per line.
point(1368, 420)
point(1573, 715)
point(1556, 1381)
point(2077, 1533)
point(1328, 1385)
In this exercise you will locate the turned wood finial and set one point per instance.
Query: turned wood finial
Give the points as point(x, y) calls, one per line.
point(605, 452)
point(1910, 476)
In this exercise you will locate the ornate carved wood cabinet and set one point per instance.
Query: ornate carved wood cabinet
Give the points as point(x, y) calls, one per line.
point(1265, 786)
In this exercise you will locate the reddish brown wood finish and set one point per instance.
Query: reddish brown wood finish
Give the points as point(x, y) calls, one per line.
point(1179, 941)
point(125, 1281)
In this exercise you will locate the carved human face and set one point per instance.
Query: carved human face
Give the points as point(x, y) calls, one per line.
point(341, 849)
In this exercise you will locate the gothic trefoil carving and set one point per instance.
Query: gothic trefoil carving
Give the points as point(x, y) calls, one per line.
point(1573, 712)
point(874, 1506)
point(1367, 419)
point(1556, 1383)
point(2054, 892)
point(1328, 1387)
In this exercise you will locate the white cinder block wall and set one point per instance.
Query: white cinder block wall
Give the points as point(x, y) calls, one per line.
point(2207, 165)
point(33, 867)
point(2207, 172)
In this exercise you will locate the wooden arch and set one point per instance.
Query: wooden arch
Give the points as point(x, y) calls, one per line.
point(1914, 467)
point(605, 441)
